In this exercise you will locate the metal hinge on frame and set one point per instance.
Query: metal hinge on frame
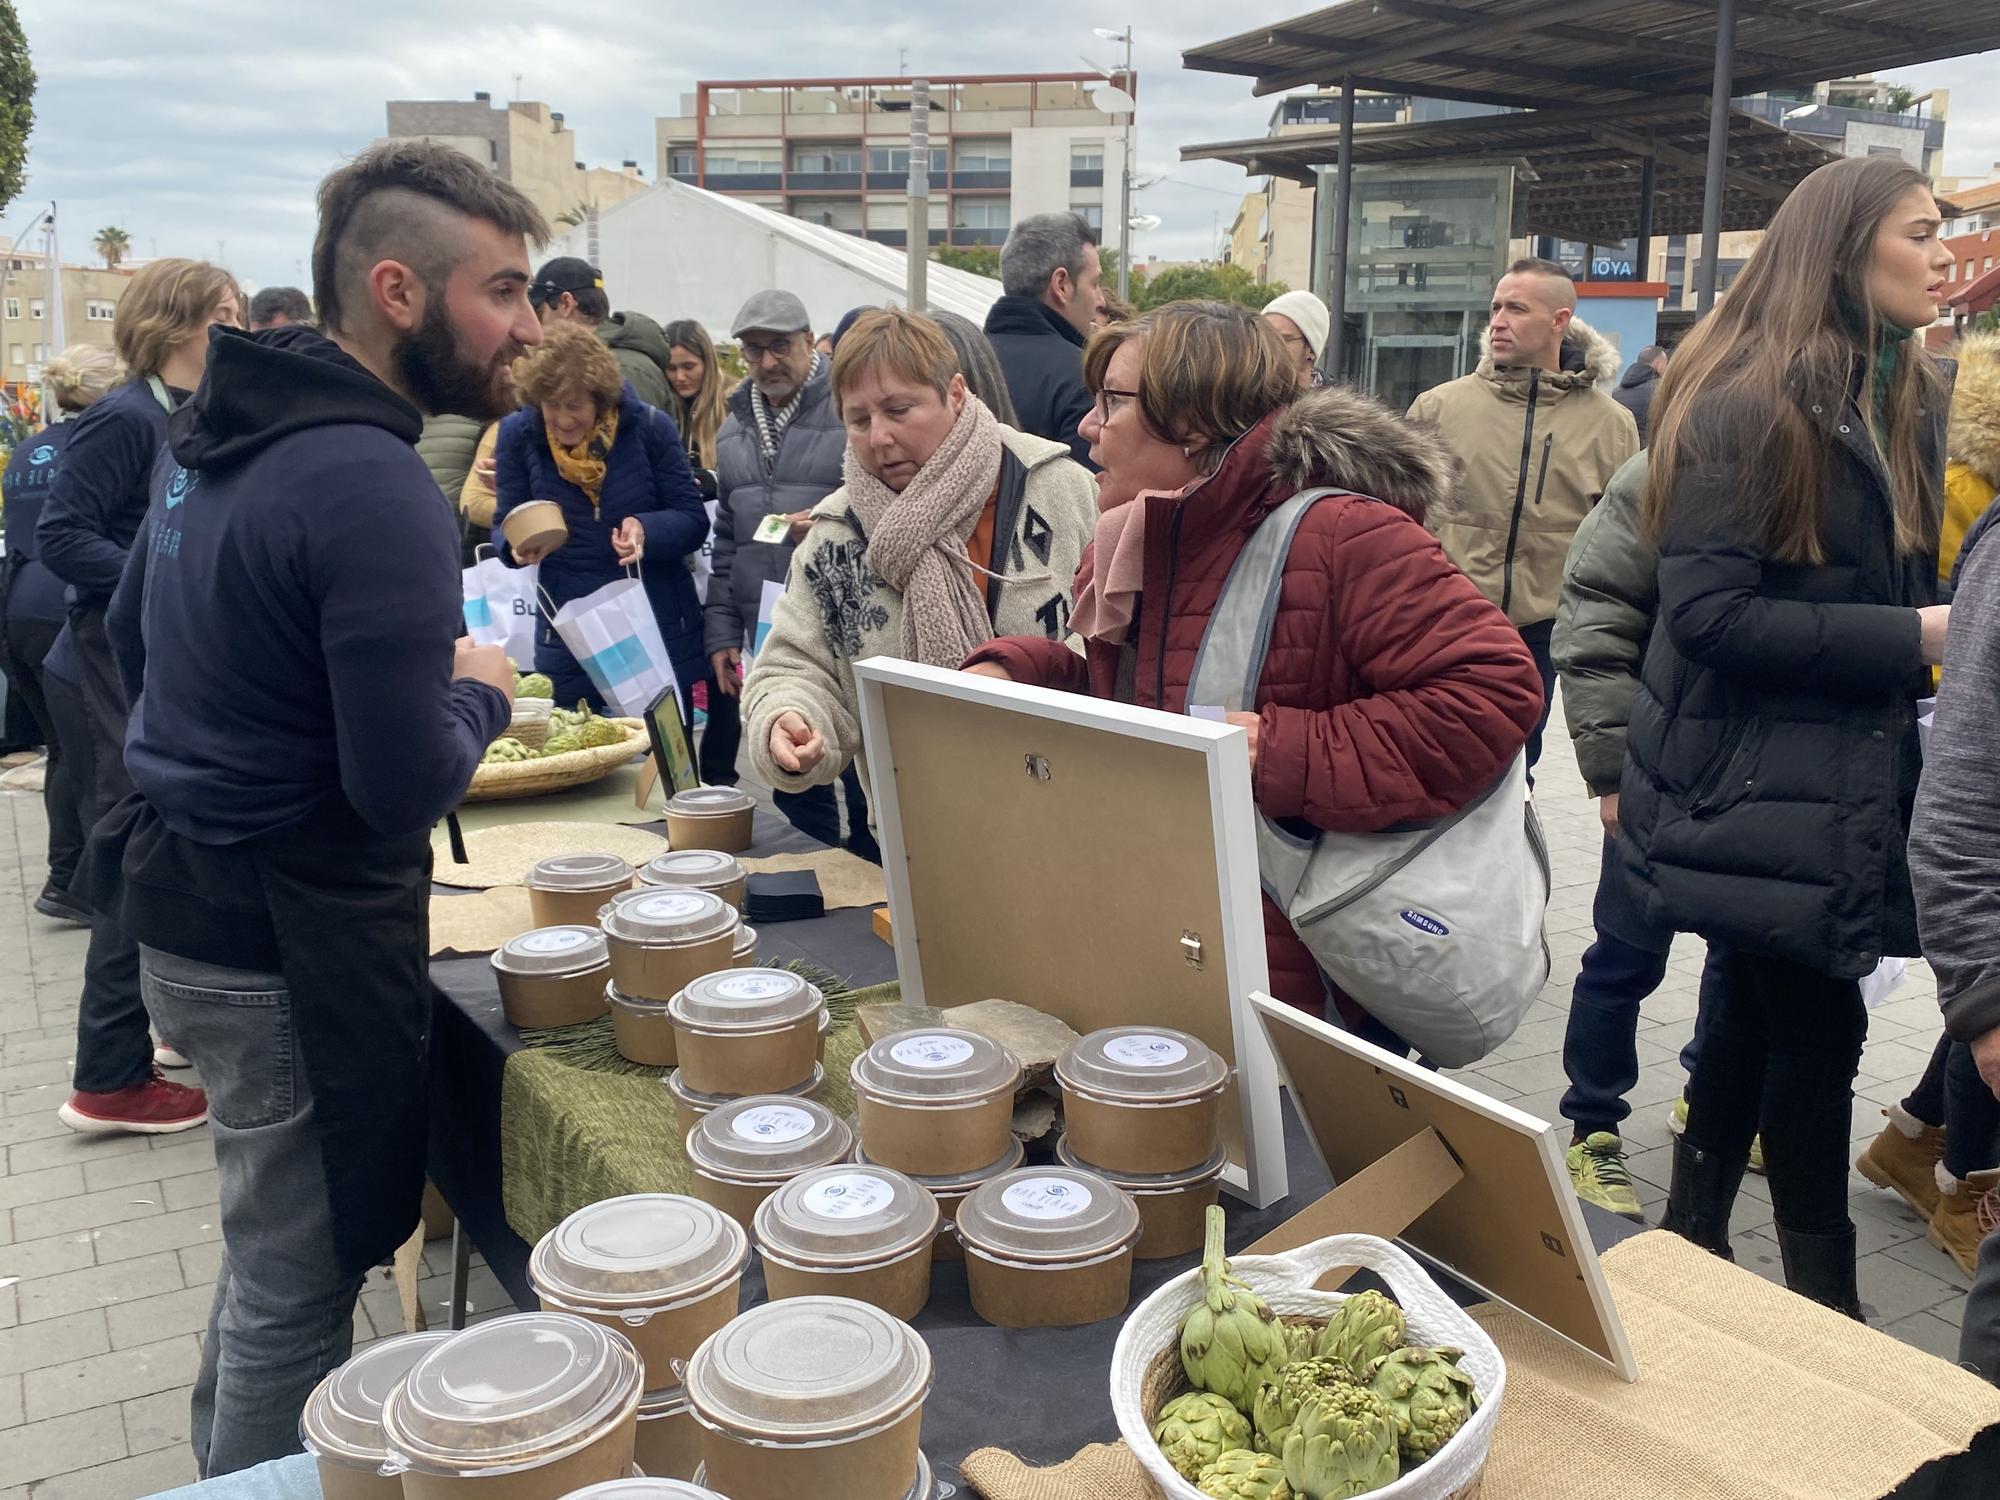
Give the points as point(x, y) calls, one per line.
point(1191, 949)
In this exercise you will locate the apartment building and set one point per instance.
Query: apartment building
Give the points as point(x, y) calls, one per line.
point(525, 142)
point(90, 296)
point(835, 151)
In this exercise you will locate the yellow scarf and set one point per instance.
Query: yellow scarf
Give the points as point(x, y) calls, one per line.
point(584, 465)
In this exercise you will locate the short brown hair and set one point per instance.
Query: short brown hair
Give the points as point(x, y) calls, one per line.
point(569, 358)
point(1534, 265)
point(400, 200)
point(1208, 369)
point(167, 303)
point(905, 342)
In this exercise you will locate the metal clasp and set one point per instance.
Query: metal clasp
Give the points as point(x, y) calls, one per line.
point(1191, 949)
point(1036, 767)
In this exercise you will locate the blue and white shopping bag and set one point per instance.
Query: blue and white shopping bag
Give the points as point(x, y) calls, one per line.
point(615, 639)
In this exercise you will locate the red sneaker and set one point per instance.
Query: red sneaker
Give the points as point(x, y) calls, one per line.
point(156, 1107)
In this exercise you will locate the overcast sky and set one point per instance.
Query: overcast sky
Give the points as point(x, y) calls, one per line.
point(202, 126)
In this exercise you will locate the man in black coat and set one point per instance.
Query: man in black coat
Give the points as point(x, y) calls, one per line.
point(1636, 385)
point(1054, 285)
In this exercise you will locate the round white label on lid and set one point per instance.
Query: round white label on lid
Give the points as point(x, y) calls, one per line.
point(553, 940)
point(751, 987)
point(1046, 1197)
point(1143, 1050)
point(666, 907)
point(772, 1124)
point(850, 1195)
point(928, 1051)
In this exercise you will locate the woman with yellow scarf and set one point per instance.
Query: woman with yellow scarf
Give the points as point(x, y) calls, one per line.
point(619, 471)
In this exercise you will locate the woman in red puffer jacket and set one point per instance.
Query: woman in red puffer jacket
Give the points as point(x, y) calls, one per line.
point(1393, 691)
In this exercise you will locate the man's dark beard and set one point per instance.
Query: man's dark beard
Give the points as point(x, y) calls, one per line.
point(441, 381)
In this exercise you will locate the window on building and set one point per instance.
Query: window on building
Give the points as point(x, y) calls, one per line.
point(14, 353)
point(1086, 156)
point(980, 213)
point(97, 310)
point(1989, 262)
point(834, 213)
point(897, 159)
point(826, 159)
point(35, 308)
point(730, 161)
point(1951, 272)
point(985, 156)
point(40, 353)
point(14, 311)
point(1091, 214)
point(680, 161)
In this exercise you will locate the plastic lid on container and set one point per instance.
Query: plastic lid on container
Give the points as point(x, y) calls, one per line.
point(1143, 1064)
point(511, 1393)
point(809, 1369)
point(550, 951)
point(639, 1488)
point(670, 918)
point(768, 1136)
point(643, 1248)
point(695, 1099)
point(696, 867)
point(937, 1063)
point(343, 1416)
point(746, 939)
point(1144, 1183)
point(1048, 1214)
point(667, 1401)
point(578, 872)
point(957, 1185)
point(709, 802)
point(746, 1000)
point(845, 1215)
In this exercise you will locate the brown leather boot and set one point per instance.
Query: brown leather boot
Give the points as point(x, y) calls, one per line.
point(1968, 1210)
point(1904, 1159)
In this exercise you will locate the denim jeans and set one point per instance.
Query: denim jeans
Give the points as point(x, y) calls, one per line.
point(1536, 638)
point(283, 1311)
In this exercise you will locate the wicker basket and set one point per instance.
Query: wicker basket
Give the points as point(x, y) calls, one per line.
point(498, 780)
point(531, 721)
point(1146, 1368)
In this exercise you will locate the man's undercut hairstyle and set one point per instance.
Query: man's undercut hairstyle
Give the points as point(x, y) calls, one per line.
point(406, 201)
point(1562, 285)
point(280, 301)
point(592, 303)
point(1038, 247)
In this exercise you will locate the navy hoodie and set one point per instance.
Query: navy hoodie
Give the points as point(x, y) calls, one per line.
point(33, 592)
point(286, 627)
point(100, 492)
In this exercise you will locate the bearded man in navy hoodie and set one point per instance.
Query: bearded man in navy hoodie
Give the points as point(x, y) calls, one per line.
point(303, 712)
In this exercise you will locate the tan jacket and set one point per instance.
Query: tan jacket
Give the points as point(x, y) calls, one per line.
point(1538, 449)
point(476, 498)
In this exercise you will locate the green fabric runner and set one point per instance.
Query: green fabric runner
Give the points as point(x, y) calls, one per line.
point(579, 1123)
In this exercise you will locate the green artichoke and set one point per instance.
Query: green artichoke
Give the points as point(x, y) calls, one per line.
point(1231, 1341)
point(535, 685)
point(506, 748)
point(562, 744)
point(1277, 1405)
point(1343, 1444)
point(1427, 1394)
point(1243, 1475)
point(1196, 1429)
point(1367, 1326)
point(596, 732)
point(1300, 1341)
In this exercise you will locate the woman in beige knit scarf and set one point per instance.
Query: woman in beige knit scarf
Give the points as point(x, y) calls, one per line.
point(950, 529)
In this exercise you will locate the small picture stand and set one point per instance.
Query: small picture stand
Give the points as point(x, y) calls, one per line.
point(1474, 1185)
point(668, 734)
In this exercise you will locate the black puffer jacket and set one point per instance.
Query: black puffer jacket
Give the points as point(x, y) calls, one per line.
point(1041, 356)
point(1772, 757)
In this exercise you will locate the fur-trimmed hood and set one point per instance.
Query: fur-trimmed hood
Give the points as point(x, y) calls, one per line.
point(1338, 437)
point(1588, 358)
point(1973, 437)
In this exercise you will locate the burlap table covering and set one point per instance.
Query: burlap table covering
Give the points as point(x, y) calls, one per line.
point(844, 879)
point(1746, 1392)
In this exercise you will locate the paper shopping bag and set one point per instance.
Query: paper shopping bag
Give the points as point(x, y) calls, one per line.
point(615, 639)
point(500, 608)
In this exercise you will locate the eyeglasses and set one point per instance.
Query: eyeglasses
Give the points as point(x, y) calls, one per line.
point(1107, 400)
point(756, 354)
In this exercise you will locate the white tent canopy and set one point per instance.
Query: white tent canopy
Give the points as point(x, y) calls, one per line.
point(677, 251)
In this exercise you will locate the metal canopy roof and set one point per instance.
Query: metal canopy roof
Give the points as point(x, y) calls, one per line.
point(1586, 163)
point(1536, 53)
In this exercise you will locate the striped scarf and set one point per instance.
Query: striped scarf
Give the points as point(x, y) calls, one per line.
point(771, 425)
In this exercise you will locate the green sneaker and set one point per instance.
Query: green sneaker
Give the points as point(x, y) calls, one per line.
point(1677, 1124)
point(1597, 1167)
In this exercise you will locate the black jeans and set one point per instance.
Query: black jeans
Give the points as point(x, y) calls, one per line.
point(1536, 638)
point(816, 813)
point(721, 737)
point(1952, 1094)
point(1779, 1054)
point(28, 643)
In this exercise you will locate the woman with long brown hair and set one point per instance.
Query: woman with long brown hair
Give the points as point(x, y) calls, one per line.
point(1795, 490)
point(700, 388)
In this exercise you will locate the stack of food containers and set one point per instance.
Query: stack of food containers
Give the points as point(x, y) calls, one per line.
point(342, 1422)
point(745, 1150)
point(743, 1032)
point(660, 940)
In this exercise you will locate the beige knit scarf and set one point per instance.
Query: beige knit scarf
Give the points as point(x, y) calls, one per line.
point(916, 538)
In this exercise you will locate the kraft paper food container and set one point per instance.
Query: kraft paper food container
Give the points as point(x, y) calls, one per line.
point(568, 889)
point(536, 525)
point(661, 1268)
point(746, 946)
point(342, 1422)
point(811, 1396)
point(711, 817)
point(701, 870)
point(850, 1231)
point(641, 1028)
point(690, 1106)
point(741, 1153)
point(552, 976)
point(669, 1442)
point(924, 1488)
point(1048, 1247)
point(645, 1487)
point(531, 1405)
point(937, 1102)
point(1142, 1099)
point(1173, 1206)
point(954, 1189)
point(746, 1031)
point(663, 940)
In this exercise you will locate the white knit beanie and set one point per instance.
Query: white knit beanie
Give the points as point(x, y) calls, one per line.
point(1308, 312)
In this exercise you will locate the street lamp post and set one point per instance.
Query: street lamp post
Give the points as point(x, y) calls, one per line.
point(1125, 166)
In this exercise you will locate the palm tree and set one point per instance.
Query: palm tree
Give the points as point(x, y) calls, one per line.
point(572, 217)
point(112, 243)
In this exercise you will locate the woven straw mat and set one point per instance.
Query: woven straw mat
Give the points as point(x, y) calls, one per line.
point(503, 855)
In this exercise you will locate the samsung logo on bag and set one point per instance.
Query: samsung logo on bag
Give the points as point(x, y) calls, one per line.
point(1425, 924)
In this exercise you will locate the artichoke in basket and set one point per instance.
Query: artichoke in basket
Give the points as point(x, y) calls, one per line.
point(596, 732)
point(1301, 1339)
point(1277, 1404)
point(1196, 1429)
point(1427, 1394)
point(534, 685)
point(1343, 1444)
point(1367, 1326)
point(1243, 1475)
point(506, 748)
point(1231, 1341)
point(562, 744)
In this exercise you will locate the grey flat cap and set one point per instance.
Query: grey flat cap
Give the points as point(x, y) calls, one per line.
point(771, 312)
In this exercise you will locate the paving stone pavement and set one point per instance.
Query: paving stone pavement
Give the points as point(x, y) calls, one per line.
point(108, 1244)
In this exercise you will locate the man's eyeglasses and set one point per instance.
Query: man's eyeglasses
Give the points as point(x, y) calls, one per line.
point(756, 354)
point(1108, 399)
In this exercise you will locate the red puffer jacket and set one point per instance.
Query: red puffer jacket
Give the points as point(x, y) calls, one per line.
point(1393, 690)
